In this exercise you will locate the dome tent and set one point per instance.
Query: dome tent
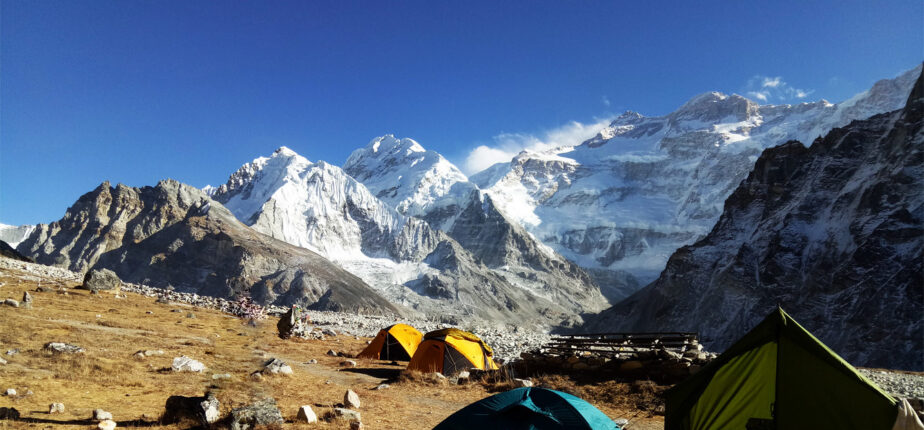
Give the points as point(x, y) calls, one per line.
point(529, 409)
point(449, 351)
point(779, 376)
point(396, 342)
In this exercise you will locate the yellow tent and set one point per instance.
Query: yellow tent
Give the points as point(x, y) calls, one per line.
point(397, 342)
point(450, 351)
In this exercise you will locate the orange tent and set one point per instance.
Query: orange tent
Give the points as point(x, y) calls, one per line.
point(450, 351)
point(397, 342)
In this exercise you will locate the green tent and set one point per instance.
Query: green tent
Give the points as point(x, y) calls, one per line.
point(778, 376)
point(528, 409)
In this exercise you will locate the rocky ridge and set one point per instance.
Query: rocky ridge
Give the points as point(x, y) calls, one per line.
point(175, 236)
point(832, 233)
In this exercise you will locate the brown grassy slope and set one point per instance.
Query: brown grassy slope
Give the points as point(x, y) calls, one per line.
point(107, 376)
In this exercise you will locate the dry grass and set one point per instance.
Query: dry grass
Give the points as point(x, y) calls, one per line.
point(110, 377)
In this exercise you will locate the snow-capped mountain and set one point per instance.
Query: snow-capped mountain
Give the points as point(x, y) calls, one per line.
point(173, 235)
point(620, 203)
point(320, 207)
point(13, 235)
point(834, 233)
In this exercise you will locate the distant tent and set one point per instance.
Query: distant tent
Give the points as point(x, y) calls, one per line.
point(450, 351)
point(397, 342)
point(529, 409)
point(778, 376)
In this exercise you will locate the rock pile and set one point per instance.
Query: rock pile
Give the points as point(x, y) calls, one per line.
point(662, 365)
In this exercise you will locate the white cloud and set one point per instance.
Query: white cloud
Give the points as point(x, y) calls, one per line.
point(773, 89)
point(508, 145)
point(605, 100)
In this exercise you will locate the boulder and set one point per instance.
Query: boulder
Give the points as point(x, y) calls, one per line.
point(101, 415)
point(56, 408)
point(10, 392)
point(306, 415)
point(203, 410)
point(351, 399)
point(11, 302)
point(347, 414)
point(101, 279)
point(262, 413)
point(277, 366)
point(106, 425)
point(186, 364)
point(26, 300)
point(291, 324)
point(63, 348)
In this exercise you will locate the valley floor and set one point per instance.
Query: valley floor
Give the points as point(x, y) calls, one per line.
point(112, 327)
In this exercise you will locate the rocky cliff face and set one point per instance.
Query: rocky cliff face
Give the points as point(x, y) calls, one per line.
point(833, 233)
point(321, 207)
point(622, 202)
point(173, 235)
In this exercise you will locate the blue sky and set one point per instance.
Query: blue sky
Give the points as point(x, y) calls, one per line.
point(137, 91)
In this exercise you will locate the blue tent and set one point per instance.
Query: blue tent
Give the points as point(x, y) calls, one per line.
point(529, 409)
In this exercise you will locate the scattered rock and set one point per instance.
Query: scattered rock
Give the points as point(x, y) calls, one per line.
point(262, 413)
point(221, 376)
point(63, 348)
point(331, 353)
point(12, 352)
point(56, 408)
point(520, 383)
point(356, 425)
point(10, 392)
point(621, 422)
point(348, 363)
point(8, 413)
point(186, 364)
point(106, 425)
point(381, 387)
point(277, 366)
point(2, 361)
point(153, 352)
point(347, 414)
point(292, 323)
point(26, 300)
point(190, 315)
point(162, 300)
point(101, 415)
point(11, 302)
point(351, 399)
point(328, 332)
point(312, 361)
point(204, 410)
point(307, 415)
point(256, 376)
point(101, 279)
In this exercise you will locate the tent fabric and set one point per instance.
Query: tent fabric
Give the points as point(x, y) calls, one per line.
point(529, 409)
point(450, 351)
point(778, 376)
point(396, 342)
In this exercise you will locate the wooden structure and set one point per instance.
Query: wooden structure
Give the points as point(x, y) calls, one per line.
point(614, 343)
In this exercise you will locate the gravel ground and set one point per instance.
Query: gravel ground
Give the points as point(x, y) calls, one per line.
point(900, 384)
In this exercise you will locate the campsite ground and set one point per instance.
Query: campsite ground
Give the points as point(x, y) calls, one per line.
point(108, 376)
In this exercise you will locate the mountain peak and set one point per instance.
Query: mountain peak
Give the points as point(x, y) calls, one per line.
point(285, 152)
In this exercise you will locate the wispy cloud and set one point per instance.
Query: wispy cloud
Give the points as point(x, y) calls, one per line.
point(769, 89)
point(508, 145)
point(605, 100)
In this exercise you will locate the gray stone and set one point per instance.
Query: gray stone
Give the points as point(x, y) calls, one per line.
point(221, 376)
point(347, 414)
point(101, 279)
point(312, 361)
point(356, 425)
point(26, 300)
point(56, 408)
point(106, 425)
point(621, 422)
point(520, 383)
point(277, 366)
point(186, 364)
point(12, 352)
point(306, 415)
point(348, 363)
point(381, 387)
point(101, 415)
point(10, 392)
point(331, 353)
point(11, 302)
point(351, 399)
point(2, 361)
point(262, 413)
point(63, 348)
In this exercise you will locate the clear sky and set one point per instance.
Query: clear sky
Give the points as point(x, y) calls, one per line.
point(137, 91)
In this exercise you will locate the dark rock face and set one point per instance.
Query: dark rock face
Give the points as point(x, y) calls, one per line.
point(263, 413)
point(202, 410)
point(833, 233)
point(101, 279)
point(291, 324)
point(9, 252)
point(174, 235)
